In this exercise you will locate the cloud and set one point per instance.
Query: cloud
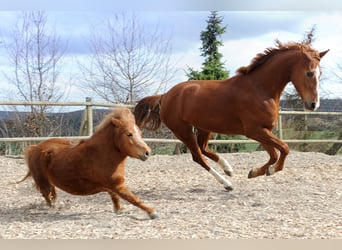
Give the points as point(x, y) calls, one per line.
point(248, 33)
point(240, 52)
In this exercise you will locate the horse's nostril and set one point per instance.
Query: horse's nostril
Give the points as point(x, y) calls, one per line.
point(313, 105)
point(147, 154)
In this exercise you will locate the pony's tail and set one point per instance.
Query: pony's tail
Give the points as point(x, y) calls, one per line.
point(27, 154)
point(146, 112)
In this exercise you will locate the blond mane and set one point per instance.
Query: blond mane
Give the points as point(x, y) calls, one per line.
point(120, 113)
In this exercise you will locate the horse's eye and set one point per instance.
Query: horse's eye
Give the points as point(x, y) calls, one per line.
point(129, 134)
point(310, 74)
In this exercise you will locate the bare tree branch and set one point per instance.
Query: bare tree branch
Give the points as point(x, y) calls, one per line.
point(35, 53)
point(127, 60)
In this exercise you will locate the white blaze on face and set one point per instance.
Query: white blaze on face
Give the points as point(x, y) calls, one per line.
point(137, 133)
point(318, 72)
point(136, 130)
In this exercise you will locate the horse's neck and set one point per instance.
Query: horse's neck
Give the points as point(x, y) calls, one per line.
point(276, 74)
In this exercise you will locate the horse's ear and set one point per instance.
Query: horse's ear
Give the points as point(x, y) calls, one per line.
point(321, 54)
point(116, 122)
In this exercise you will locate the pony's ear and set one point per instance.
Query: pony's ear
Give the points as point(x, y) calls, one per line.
point(321, 54)
point(116, 122)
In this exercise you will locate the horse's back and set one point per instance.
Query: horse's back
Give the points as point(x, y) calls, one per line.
point(204, 104)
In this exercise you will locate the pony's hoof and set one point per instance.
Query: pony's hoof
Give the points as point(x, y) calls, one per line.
point(153, 215)
point(119, 211)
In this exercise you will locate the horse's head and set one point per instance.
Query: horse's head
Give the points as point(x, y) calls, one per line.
point(306, 75)
point(129, 140)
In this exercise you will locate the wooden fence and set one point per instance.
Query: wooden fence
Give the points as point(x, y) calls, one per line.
point(87, 124)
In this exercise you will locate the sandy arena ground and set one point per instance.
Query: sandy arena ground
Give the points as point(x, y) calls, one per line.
point(303, 201)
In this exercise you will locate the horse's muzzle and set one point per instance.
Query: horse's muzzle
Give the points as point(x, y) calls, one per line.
point(144, 156)
point(310, 106)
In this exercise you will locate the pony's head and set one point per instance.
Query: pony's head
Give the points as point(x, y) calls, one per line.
point(306, 74)
point(128, 139)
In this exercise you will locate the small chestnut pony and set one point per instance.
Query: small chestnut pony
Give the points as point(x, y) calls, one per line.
point(92, 165)
point(246, 104)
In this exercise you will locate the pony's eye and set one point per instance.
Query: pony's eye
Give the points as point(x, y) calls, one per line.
point(129, 134)
point(310, 74)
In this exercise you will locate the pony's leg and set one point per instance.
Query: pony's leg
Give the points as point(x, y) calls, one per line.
point(202, 140)
point(53, 194)
point(116, 202)
point(188, 138)
point(254, 172)
point(48, 192)
point(270, 141)
point(127, 195)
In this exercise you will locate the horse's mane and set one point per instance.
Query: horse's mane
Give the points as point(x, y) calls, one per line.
point(261, 58)
point(123, 114)
point(120, 113)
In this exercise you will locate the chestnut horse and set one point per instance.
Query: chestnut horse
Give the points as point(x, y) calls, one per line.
point(246, 104)
point(92, 165)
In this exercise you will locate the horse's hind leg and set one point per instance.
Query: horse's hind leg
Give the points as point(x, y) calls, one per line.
point(184, 133)
point(202, 140)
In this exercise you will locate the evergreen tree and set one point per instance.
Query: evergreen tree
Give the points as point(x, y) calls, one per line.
point(213, 68)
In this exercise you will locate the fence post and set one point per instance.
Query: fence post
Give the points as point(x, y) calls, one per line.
point(89, 110)
point(280, 127)
point(87, 119)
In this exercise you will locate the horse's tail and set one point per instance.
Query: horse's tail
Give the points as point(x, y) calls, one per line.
point(27, 155)
point(146, 112)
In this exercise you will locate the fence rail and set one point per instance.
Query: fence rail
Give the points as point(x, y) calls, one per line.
point(156, 140)
point(88, 104)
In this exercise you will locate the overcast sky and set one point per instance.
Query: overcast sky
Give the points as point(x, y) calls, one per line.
point(248, 32)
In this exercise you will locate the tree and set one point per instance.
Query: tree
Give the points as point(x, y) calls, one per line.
point(35, 53)
point(212, 67)
point(127, 60)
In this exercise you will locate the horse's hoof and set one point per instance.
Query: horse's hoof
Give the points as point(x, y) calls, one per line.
point(229, 188)
point(251, 174)
point(270, 171)
point(229, 173)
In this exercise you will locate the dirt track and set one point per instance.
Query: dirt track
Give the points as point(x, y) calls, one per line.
point(303, 201)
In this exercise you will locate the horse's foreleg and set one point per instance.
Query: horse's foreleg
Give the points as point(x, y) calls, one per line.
point(270, 143)
point(284, 151)
point(202, 140)
point(127, 195)
point(255, 172)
